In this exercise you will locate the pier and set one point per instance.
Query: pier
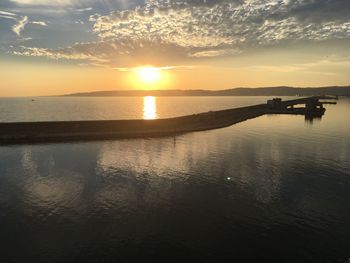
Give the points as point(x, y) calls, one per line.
point(58, 131)
point(313, 106)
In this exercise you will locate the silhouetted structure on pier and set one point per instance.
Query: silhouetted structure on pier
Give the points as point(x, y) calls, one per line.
point(275, 103)
point(313, 106)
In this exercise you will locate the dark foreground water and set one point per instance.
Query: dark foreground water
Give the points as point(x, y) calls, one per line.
point(271, 189)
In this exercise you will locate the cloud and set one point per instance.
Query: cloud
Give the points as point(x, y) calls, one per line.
point(135, 69)
point(214, 53)
point(175, 4)
point(43, 2)
point(55, 54)
point(25, 39)
point(187, 30)
point(8, 17)
point(112, 53)
point(230, 23)
point(7, 13)
point(19, 26)
point(40, 23)
point(83, 9)
point(186, 27)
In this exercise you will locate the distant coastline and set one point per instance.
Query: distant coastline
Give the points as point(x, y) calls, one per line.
point(263, 91)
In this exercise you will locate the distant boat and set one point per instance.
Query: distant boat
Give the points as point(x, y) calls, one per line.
point(33, 99)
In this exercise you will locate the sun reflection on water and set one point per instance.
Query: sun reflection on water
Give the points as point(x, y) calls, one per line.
point(149, 108)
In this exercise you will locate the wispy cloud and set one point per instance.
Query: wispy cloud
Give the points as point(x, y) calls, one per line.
point(43, 2)
point(19, 26)
point(67, 53)
point(7, 13)
point(83, 9)
point(135, 69)
point(110, 53)
point(25, 39)
point(214, 53)
point(79, 22)
point(40, 23)
point(8, 17)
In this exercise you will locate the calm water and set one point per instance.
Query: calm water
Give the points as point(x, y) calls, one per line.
point(111, 108)
point(271, 189)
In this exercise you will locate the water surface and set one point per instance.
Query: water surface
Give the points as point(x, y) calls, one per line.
point(112, 108)
point(271, 189)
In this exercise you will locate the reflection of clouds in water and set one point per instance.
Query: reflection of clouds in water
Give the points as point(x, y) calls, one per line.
point(157, 157)
point(268, 177)
point(254, 167)
point(153, 170)
point(48, 189)
point(201, 157)
point(141, 171)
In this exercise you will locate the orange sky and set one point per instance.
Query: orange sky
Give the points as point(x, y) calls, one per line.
point(23, 79)
point(59, 47)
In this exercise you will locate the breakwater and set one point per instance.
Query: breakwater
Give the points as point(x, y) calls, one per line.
point(55, 131)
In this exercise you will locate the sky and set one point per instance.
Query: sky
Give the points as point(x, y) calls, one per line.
point(50, 47)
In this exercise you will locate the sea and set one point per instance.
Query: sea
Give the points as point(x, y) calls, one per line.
point(271, 189)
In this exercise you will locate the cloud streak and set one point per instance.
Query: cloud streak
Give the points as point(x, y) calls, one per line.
point(43, 2)
point(19, 26)
point(136, 69)
point(40, 23)
point(112, 53)
point(8, 15)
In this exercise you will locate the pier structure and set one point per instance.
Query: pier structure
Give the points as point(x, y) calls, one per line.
point(57, 131)
point(313, 106)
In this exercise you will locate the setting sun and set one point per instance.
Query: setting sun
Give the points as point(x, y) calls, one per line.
point(149, 75)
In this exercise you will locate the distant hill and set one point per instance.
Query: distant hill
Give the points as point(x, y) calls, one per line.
point(264, 91)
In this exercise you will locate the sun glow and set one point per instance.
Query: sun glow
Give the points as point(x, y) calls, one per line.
point(149, 75)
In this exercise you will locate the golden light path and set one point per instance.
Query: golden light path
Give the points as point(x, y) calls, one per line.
point(149, 108)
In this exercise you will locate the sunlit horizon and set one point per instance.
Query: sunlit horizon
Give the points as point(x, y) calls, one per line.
point(61, 47)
